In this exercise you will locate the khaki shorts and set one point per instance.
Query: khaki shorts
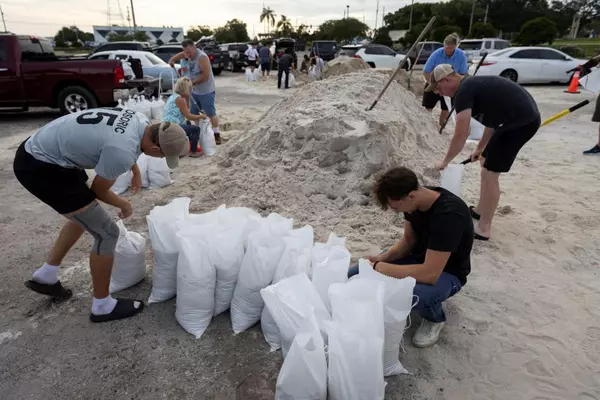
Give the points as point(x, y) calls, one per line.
point(596, 116)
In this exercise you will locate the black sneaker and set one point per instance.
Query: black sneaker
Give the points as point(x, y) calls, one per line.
point(592, 151)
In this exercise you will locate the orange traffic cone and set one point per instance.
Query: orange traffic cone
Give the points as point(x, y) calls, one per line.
point(574, 85)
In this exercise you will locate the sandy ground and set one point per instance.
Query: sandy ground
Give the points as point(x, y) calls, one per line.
point(525, 326)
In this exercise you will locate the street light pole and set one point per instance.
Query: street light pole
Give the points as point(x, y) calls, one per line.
point(133, 16)
point(472, 13)
point(3, 21)
point(347, 11)
point(412, 3)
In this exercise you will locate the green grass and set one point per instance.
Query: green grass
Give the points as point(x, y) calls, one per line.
point(591, 47)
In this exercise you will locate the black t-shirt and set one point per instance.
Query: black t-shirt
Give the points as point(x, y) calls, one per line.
point(285, 61)
point(496, 102)
point(447, 226)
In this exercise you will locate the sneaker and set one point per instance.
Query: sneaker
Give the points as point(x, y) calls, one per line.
point(218, 138)
point(593, 150)
point(427, 334)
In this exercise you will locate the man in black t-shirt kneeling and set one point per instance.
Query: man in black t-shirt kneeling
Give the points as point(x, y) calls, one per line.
point(511, 118)
point(435, 248)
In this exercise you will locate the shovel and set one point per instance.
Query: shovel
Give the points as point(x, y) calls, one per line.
point(452, 174)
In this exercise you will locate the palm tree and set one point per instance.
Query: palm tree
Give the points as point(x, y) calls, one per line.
point(268, 16)
point(284, 26)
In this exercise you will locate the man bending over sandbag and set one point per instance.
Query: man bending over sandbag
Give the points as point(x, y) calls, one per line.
point(51, 165)
point(435, 248)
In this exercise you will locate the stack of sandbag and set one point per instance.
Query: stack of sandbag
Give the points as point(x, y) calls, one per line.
point(154, 172)
point(163, 225)
point(296, 259)
point(129, 266)
point(356, 337)
point(264, 249)
point(397, 303)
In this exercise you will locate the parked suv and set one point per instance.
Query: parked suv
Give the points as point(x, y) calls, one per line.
point(376, 55)
point(237, 56)
point(428, 48)
point(325, 49)
point(474, 48)
point(136, 46)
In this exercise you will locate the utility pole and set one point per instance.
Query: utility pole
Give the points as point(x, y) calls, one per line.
point(412, 4)
point(133, 16)
point(382, 15)
point(376, 15)
point(3, 21)
point(487, 8)
point(128, 18)
point(472, 13)
point(348, 12)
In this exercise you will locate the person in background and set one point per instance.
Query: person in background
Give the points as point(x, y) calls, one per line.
point(511, 118)
point(435, 248)
point(178, 112)
point(449, 54)
point(595, 61)
point(305, 64)
point(195, 64)
point(286, 61)
point(51, 165)
point(265, 60)
point(252, 55)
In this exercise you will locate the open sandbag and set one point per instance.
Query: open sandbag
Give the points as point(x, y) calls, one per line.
point(330, 263)
point(129, 266)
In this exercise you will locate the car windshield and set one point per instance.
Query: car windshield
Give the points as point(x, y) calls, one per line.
point(154, 59)
point(471, 45)
point(325, 46)
point(348, 51)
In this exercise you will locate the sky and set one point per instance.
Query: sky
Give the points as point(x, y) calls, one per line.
point(45, 17)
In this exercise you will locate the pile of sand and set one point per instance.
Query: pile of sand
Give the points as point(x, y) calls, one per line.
point(414, 82)
point(344, 65)
point(313, 156)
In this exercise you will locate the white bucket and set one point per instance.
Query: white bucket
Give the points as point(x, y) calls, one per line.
point(452, 177)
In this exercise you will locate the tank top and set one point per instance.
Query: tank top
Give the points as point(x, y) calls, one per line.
point(172, 112)
point(194, 71)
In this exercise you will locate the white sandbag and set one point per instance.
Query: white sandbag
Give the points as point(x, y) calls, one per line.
point(162, 227)
point(295, 260)
point(159, 173)
point(250, 77)
point(257, 73)
point(207, 139)
point(330, 264)
point(296, 307)
point(475, 130)
point(591, 81)
point(355, 358)
point(263, 252)
point(303, 374)
point(142, 163)
point(355, 340)
point(195, 280)
point(452, 178)
point(397, 303)
point(292, 80)
point(157, 109)
point(122, 183)
point(129, 266)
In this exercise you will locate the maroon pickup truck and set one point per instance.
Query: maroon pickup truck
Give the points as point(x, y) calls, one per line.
point(31, 75)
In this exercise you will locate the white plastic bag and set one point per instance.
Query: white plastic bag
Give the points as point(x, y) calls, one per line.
point(207, 139)
point(162, 227)
point(263, 253)
point(296, 307)
point(195, 280)
point(159, 173)
point(330, 264)
point(591, 81)
point(157, 109)
point(292, 80)
point(452, 178)
point(303, 374)
point(397, 303)
point(356, 339)
point(122, 183)
point(142, 163)
point(475, 130)
point(295, 260)
point(257, 73)
point(250, 77)
point(129, 266)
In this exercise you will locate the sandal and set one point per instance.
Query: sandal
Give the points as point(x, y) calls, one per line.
point(56, 291)
point(474, 215)
point(125, 308)
point(477, 236)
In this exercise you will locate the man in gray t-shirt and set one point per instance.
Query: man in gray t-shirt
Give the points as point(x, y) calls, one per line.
point(51, 165)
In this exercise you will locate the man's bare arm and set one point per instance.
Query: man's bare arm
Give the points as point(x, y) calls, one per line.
point(403, 247)
point(175, 58)
point(205, 66)
point(461, 133)
point(427, 273)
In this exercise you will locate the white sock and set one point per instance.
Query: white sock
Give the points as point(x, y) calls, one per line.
point(47, 274)
point(103, 306)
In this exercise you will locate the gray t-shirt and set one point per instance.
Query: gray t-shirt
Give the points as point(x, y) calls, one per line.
point(107, 140)
point(194, 71)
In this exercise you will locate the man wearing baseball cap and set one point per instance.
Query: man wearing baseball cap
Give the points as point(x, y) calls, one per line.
point(51, 165)
point(511, 118)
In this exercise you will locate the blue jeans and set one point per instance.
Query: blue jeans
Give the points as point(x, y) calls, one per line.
point(430, 297)
point(193, 134)
point(206, 102)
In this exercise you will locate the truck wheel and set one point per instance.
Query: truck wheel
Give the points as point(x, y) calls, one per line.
point(73, 99)
point(217, 71)
point(371, 63)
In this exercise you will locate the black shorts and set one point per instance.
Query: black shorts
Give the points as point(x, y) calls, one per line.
point(430, 100)
point(596, 116)
point(252, 63)
point(265, 66)
point(63, 189)
point(504, 145)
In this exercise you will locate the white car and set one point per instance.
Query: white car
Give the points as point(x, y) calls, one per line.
point(474, 48)
point(529, 65)
point(376, 55)
point(152, 65)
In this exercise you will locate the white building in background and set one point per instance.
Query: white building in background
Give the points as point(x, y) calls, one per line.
point(167, 35)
